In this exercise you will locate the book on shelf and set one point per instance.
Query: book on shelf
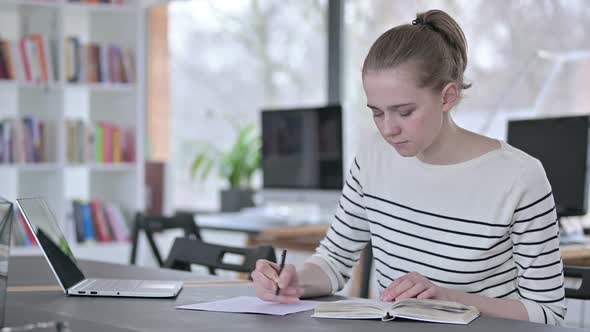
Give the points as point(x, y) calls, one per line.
point(98, 63)
point(117, 221)
point(116, 141)
point(414, 309)
point(38, 58)
point(32, 58)
point(107, 130)
point(98, 220)
point(103, 142)
point(72, 60)
point(89, 232)
point(113, 2)
point(129, 65)
point(100, 223)
point(26, 140)
point(8, 60)
point(78, 218)
point(128, 147)
point(6, 69)
point(99, 141)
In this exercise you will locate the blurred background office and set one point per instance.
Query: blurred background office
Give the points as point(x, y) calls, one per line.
point(116, 107)
point(230, 59)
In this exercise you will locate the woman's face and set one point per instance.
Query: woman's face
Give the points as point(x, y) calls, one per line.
point(408, 117)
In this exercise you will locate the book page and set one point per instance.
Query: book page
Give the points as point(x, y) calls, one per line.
point(434, 304)
point(352, 309)
point(433, 311)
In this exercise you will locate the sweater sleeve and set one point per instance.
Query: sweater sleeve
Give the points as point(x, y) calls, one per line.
point(349, 233)
point(535, 236)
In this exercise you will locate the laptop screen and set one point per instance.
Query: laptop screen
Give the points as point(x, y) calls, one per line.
point(5, 232)
point(52, 241)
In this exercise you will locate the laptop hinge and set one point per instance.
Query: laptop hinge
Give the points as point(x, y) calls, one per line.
point(78, 284)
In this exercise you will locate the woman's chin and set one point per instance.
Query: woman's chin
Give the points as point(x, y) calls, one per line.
point(404, 150)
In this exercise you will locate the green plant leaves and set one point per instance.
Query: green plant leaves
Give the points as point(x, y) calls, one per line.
point(237, 165)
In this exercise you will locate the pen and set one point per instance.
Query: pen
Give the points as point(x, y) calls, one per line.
point(281, 266)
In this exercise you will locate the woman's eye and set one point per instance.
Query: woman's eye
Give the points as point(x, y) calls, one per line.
point(377, 113)
point(405, 114)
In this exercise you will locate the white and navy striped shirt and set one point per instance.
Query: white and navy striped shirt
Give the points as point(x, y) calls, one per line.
point(485, 226)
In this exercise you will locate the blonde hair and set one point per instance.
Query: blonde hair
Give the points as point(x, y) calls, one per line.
point(434, 42)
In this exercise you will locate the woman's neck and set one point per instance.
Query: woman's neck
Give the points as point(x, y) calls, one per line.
point(455, 145)
point(446, 148)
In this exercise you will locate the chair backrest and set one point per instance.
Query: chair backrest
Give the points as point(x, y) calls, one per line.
point(577, 274)
point(157, 224)
point(185, 252)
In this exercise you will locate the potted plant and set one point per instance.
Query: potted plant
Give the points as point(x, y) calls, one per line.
point(237, 166)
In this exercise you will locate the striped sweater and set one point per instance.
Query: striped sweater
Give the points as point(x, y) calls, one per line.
point(485, 226)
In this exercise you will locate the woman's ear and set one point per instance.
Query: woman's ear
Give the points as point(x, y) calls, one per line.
point(450, 96)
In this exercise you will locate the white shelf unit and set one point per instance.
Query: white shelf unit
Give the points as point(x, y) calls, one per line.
point(57, 102)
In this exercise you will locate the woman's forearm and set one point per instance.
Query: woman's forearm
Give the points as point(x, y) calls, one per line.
point(492, 307)
point(314, 281)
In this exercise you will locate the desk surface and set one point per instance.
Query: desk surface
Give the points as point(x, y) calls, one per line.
point(133, 314)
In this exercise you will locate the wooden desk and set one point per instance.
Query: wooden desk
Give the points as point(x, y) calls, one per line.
point(576, 254)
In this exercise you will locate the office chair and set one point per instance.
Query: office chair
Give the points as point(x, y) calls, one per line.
point(581, 276)
point(578, 272)
point(158, 224)
point(185, 252)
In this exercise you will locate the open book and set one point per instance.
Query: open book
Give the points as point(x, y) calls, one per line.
point(416, 309)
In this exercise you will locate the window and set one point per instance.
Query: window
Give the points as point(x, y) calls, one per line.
point(506, 64)
point(230, 59)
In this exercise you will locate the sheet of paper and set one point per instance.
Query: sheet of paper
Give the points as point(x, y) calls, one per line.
point(252, 305)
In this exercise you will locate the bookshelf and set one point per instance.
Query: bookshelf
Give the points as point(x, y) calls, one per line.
point(56, 102)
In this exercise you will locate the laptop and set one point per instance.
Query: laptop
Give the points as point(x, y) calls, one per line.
point(43, 224)
point(5, 232)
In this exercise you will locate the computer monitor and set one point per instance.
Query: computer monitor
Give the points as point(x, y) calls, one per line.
point(302, 162)
point(561, 144)
point(302, 148)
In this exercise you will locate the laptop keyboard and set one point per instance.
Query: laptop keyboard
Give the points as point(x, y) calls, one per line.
point(111, 284)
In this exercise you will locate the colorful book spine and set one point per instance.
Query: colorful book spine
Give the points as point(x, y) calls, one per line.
point(43, 56)
point(117, 220)
point(99, 140)
point(10, 64)
point(107, 142)
point(117, 151)
point(4, 73)
point(99, 221)
point(78, 219)
point(89, 233)
point(26, 60)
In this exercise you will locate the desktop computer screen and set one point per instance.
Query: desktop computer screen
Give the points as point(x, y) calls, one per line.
point(302, 148)
point(561, 144)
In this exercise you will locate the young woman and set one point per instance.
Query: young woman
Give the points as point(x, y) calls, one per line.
point(451, 214)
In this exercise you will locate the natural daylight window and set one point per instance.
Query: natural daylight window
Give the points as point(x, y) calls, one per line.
point(230, 59)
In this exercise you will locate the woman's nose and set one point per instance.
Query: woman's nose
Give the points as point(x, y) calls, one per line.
point(391, 125)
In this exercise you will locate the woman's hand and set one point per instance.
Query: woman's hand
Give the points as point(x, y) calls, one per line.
point(266, 280)
point(414, 285)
